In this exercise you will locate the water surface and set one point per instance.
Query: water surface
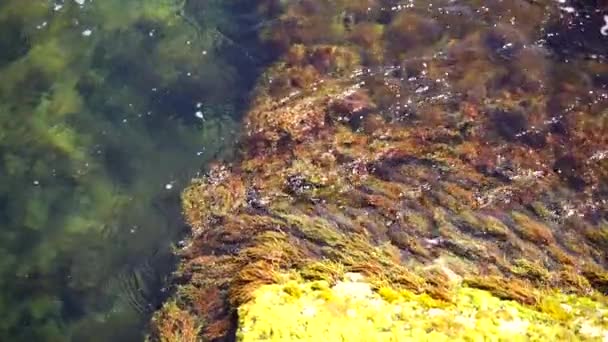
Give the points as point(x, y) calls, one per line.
point(107, 109)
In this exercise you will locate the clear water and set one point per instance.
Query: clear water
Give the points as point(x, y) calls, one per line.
point(107, 109)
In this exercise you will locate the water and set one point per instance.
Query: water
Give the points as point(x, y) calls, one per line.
point(107, 109)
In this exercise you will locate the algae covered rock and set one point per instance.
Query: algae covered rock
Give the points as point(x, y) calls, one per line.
point(352, 310)
point(453, 171)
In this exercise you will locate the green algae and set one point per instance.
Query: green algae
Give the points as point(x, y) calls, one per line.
point(98, 132)
point(350, 310)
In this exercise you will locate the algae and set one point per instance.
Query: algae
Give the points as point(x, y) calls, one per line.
point(439, 150)
point(351, 310)
point(107, 108)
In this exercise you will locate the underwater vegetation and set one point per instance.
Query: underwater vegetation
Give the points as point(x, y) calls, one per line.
point(107, 108)
point(446, 154)
point(351, 310)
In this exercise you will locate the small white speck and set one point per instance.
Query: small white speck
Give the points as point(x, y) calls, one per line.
point(599, 155)
point(590, 330)
point(199, 115)
point(433, 242)
point(204, 52)
point(199, 104)
point(36, 182)
point(87, 32)
point(168, 186)
point(568, 9)
point(516, 325)
point(57, 7)
point(309, 311)
point(354, 277)
point(80, 2)
point(188, 42)
point(421, 89)
point(435, 312)
point(604, 29)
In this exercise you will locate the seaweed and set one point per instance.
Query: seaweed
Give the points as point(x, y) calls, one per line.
point(95, 145)
point(383, 144)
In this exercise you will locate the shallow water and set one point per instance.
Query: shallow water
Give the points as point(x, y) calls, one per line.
point(107, 109)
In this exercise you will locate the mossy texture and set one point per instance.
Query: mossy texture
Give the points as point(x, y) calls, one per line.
point(177, 325)
point(103, 118)
point(351, 310)
point(434, 149)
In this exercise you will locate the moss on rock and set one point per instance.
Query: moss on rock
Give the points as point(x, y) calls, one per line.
point(351, 310)
point(417, 156)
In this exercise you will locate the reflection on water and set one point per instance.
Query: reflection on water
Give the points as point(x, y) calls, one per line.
point(107, 108)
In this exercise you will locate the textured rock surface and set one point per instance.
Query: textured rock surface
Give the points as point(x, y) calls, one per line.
point(419, 150)
point(351, 311)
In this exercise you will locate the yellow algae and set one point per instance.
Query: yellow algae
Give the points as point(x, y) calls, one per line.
point(352, 311)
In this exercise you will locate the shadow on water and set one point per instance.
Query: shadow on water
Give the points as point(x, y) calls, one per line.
point(107, 110)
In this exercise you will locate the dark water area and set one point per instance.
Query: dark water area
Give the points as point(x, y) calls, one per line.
point(107, 110)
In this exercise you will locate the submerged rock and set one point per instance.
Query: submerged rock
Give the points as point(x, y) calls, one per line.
point(351, 310)
point(431, 174)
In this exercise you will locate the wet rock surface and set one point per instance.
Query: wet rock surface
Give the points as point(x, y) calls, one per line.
point(412, 153)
